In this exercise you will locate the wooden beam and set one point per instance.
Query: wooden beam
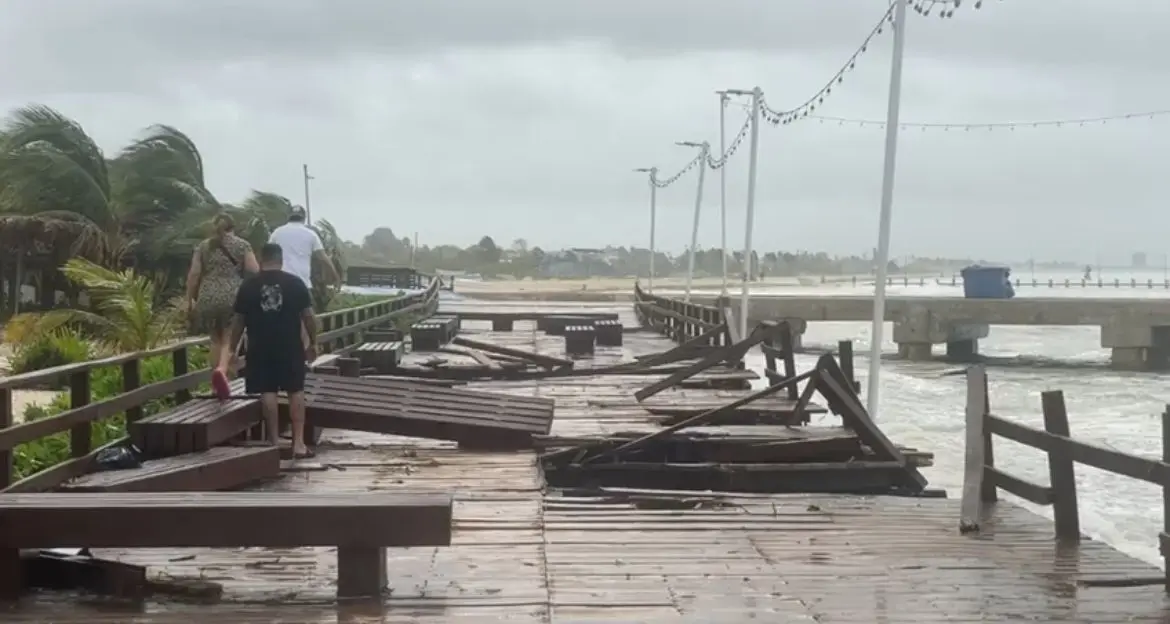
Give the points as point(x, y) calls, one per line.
point(540, 359)
point(700, 419)
point(971, 506)
point(733, 351)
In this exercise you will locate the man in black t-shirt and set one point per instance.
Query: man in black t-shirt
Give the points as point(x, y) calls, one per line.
point(273, 306)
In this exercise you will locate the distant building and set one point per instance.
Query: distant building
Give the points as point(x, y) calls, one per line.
point(1139, 260)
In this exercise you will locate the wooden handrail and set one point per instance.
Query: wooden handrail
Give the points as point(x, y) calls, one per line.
point(680, 321)
point(982, 479)
point(341, 326)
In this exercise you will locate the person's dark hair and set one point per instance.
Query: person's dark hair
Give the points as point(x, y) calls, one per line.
point(271, 253)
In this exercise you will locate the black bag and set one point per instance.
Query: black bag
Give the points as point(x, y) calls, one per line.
point(118, 458)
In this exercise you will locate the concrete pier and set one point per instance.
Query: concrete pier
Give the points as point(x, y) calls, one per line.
point(1137, 331)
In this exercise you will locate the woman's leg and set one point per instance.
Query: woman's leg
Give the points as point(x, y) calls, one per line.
point(217, 346)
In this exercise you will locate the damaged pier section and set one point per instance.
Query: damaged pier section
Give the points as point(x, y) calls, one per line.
point(649, 478)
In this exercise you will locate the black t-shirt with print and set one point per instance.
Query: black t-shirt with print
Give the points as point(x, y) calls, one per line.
point(272, 303)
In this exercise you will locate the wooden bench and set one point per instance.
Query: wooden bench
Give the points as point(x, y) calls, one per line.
point(361, 525)
point(579, 339)
point(433, 333)
point(220, 468)
point(555, 325)
point(609, 332)
point(383, 357)
point(196, 425)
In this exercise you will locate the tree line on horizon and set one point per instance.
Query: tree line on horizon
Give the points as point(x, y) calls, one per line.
point(383, 247)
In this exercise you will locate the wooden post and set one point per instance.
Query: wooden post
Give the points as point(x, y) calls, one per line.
point(989, 495)
point(6, 421)
point(326, 327)
point(131, 379)
point(179, 359)
point(845, 356)
point(11, 568)
point(1165, 536)
point(349, 367)
point(974, 472)
point(1060, 470)
point(80, 436)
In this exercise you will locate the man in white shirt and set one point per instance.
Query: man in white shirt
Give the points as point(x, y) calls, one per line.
point(299, 244)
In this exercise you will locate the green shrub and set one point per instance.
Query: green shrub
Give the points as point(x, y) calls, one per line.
point(63, 345)
point(105, 383)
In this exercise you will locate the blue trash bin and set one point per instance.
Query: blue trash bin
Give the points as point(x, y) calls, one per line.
point(987, 282)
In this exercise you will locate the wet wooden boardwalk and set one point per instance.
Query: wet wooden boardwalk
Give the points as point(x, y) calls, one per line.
point(520, 554)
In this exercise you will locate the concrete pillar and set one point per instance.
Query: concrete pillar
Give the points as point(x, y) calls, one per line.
point(963, 350)
point(1130, 343)
point(915, 351)
point(1130, 358)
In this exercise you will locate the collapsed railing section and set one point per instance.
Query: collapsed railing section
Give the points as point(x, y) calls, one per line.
point(982, 479)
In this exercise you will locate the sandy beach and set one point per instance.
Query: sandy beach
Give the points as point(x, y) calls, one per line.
point(22, 398)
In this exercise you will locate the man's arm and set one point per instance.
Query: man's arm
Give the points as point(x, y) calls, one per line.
point(319, 252)
point(331, 270)
point(308, 320)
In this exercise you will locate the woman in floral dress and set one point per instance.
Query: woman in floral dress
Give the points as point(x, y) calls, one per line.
point(218, 267)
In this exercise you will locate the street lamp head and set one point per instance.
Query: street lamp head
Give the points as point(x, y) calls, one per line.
point(688, 144)
point(645, 169)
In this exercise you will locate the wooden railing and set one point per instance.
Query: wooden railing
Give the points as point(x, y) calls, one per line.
point(982, 479)
point(340, 331)
point(684, 322)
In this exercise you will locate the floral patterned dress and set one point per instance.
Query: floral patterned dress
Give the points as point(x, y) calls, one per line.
point(222, 274)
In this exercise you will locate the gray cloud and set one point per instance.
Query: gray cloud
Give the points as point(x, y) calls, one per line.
point(519, 118)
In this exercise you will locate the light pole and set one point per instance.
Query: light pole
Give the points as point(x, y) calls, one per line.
point(888, 168)
point(723, 98)
point(308, 209)
point(704, 149)
point(745, 295)
point(653, 171)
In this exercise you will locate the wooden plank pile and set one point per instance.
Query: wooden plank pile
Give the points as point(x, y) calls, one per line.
point(702, 448)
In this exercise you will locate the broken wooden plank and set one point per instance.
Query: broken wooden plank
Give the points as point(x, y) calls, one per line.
point(704, 417)
point(541, 359)
point(734, 351)
point(854, 416)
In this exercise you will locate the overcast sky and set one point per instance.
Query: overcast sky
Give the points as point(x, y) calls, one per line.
point(523, 118)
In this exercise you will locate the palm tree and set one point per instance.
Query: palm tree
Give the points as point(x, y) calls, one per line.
point(55, 179)
point(126, 315)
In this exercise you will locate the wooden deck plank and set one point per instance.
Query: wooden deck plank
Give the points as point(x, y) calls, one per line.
point(220, 468)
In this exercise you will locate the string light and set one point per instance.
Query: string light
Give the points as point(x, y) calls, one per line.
point(778, 117)
point(674, 178)
point(1005, 125)
point(735, 143)
point(806, 108)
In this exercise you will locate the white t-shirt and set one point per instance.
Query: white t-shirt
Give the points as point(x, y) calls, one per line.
point(298, 243)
